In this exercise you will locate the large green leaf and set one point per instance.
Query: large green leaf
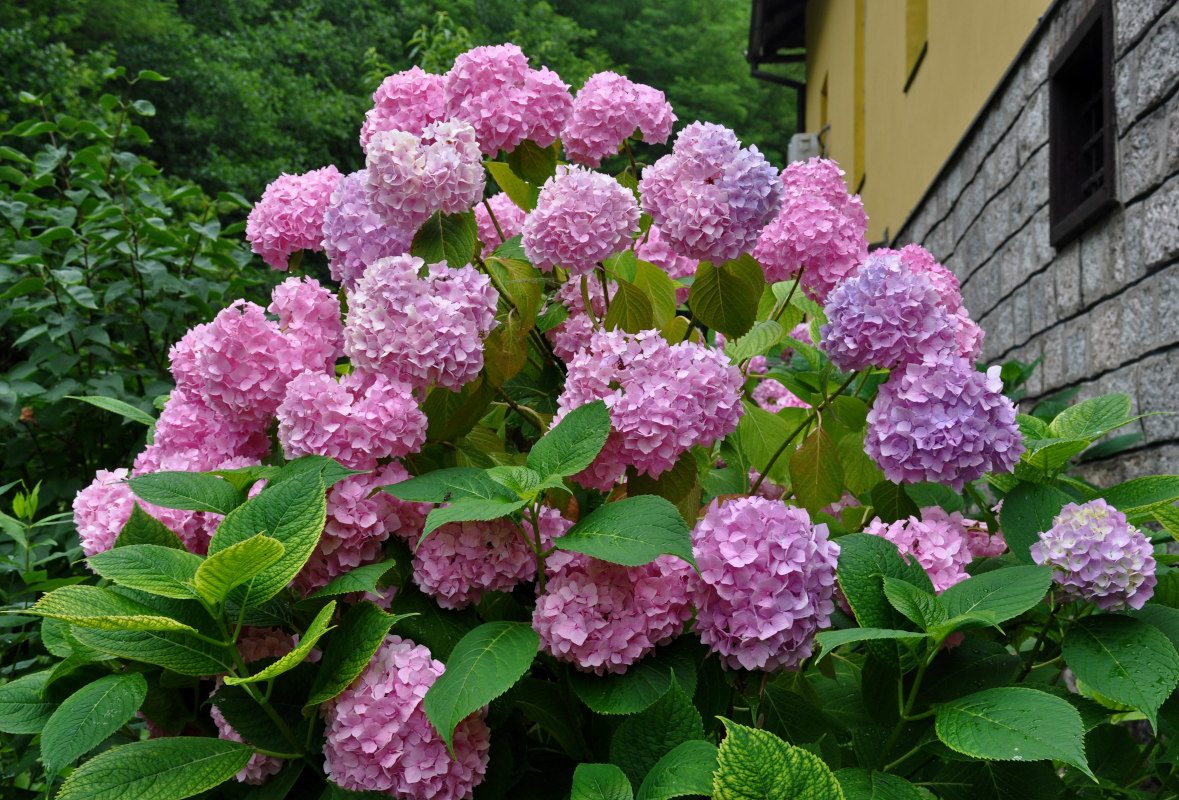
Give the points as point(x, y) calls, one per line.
point(189, 491)
point(762, 433)
point(227, 569)
point(600, 782)
point(23, 706)
point(892, 502)
point(997, 596)
point(362, 579)
point(549, 706)
point(472, 511)
point(631, 532)
point(573, 443)
point(447, 237)
point(829, 640)
point(534, 163)
point(361, 631)
point(686, 770)
point(117, 407)
point(151, 568)
point(642, 684)
point(862, 784)
point(157, 769)
point(1142, 493)
point(816, 474)
point(659, 290)
point(922, 608)
point(178, 652)
point(1125, 659)
point(516, 188)
point(437, 628)
point(92, 607)
point(521, 281)
point(761, 337)
point(630, 310)
point(318, 627)
point(1013, 724)
point(860, 473)
point(1093, 418)
point(453, 485)
point(1028, 510)
point(142, 528)
point(644, 738)
point(756, 765)
point(725, 298)
point(483, 665)
point(88, 716)
point(679, 486)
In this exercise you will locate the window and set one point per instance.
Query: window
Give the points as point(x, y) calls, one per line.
point(1082, 179)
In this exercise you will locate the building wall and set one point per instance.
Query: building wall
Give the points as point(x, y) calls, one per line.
point(1103, 311)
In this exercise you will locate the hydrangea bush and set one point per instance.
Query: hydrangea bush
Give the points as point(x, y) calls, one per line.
point(650, 484)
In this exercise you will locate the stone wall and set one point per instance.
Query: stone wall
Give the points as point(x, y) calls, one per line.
point(1103, 311)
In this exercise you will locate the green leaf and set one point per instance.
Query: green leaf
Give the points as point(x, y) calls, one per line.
point(1013, 724)
point(534, 163)
point(1125, 659)
point(1140, 494)
point(632, 531)
point(862, 784)
point(178, 652)
point(972, 666)
point(362, 579)
point(361, 631)
point(573, 443)
point(1092, 418)
point(891, 502)
point(659, 290)
point(157, 769)
point(761, 337)
point(641, 740)
point(829, 640)
point(143, 528)
point(630, 310)
point(483, 665)
point(686, 770)
point(600, 782)
point(518, 190)
point(437, 628)
point(23, 707)
point(451, 486)
point(815, 472)
point(860, 473)
point(923, 608)
point(548, 705)
point(472, 510)
point(315, 631)
point(226, 569)
point(88, 716)
point(521, 281)
point(679, 485)
point(117, 407)
point(447, 237)
point(762, 433)
point(92, 607)
point(1050, 454)
point(150, 568)
point(642, 684)
point(997, 596)
point(189, 491)
point(1027, 511)
point(725, 298)
point(756, 765)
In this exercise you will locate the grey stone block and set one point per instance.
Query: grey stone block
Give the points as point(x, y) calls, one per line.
point(970, 248)
point(1052, 367)
point(1139, 330)
point(1022, 314)
point(1166, 287)
point(989, 279)
point(1034, 384)
point(1130, 19)
point(1032, 128)
point(1172, 161)
point(1142, 154)
point(938, 242)
point(1103, 265)
point(1161, 224)
point(1158, 379)
point(1159, 61)
point(1105, 334)
point(1067, 272)
point(1042, 250)
point(1126, 89)
point(1077, 356)
point(1043, 301)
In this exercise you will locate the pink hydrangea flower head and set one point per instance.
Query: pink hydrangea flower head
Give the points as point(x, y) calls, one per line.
point(461, 561)
point(379, 738)
point(942, 422)
point(1097, 556)
point(548, 103)
point(575, 331)
point(607, 110)
point(309, 316)
point(191, 436)
point(886, 316)
point(662, 398)
point(408, 177)
point(356, 420)
point(979, 541)
point(710, 198)
point(936, 541)
point(354, 235)
point(820, 229)
point(766, 583)
point(603, 617)
point(289, 217)
point(581, 218)
point(420, 330)
point(968, 336)
point(773, 396)
point(102, 509)
point(509, 216)
point(409, 101)
point(654, 249)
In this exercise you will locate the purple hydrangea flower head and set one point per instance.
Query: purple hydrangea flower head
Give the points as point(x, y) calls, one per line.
point(408, 177)
point(354, 235)
point(942, 422)
point(289, 217)
point(653, 248)
point(886, 316)
point(575, 331)
point(603, 617)
point(767, 577)
point(379, 738)
point(407, 101)
point(968, 336)
point(1097, 556)
point(581, 218)
point(607, 110)
point(509, 216)
point(773, 396)
point(416, 330)
point(935, 540)
point(662, 398)
point(309, 317)
point(820, 229)
point(710, 198)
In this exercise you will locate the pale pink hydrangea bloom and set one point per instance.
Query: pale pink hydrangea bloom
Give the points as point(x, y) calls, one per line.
point(935, 540)
point(608, 109)
point(406, 101)
point(710, 197)
point(662, 398)
point(653, 248)
point(575, 331)
point(190, 436)
point(309, 317)
point(354, 235)
point(379, 738)
point(408, 177)
point(820, 229)
point(509, 216)
point(581, 218)
point(289, 217)
point(772, 396)
point(420, 331)
point(979, 541)
point(766, 583)
point(603, 617)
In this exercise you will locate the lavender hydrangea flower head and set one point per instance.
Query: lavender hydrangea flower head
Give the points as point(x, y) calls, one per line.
point(820, 230)
point(886, 316)
point(766, 583)
point(710, 197)
point(379, 738)
point(662, 398)
point(509, 216)
point(942, 422)
point(420, 331)
point(607, 110)
point(410, 177)
point(407, 101)
point(354, 235)
point(289, 217)
point(603, 617)
point(581, 218)
point(968, 336)
point(1097, 556)
point(935, 540)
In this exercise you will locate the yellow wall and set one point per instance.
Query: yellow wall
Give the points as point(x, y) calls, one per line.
point(906, 135)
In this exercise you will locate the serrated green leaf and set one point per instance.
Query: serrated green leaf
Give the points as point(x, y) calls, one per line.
point(1143, 493)
point(88, 716)
point(361, 631)
point(362, 579)
point(92, 607)
point(643, 739)
point(188, 491)
point(632, 531)
point(630, 310)
point(450, 486)
point(447, 237)
point(600, 782)
point(23, 707)
point(117, 407)
point(997, 596)
point(725, 298)
point(860, 473)
point(437, 628)
point(157, 769)
point(178, 652)
point(1013, 724)
point(862, 784)
point(315, 631)
point(521, 281)
point(659, 289)
point(642, 684)
point(1050, 454)
point(484, 665)
point(686, 770)
point(471, 511)
point(891, 502)
point(761, 337)
point(829, 640)
point(573, 443)
point(227, 569)
point(816, 475)
point(519, 191)
point(1125, 659)
point(329, 471)
point(150, 568)
point(1093, 418)
point(534, 163)
point(548, 705)
point(1027, 511)
point(923, 608)
point(142, 528)
point(756, 765)
point(679, 486)
point(972, 666)
point(762, 433)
